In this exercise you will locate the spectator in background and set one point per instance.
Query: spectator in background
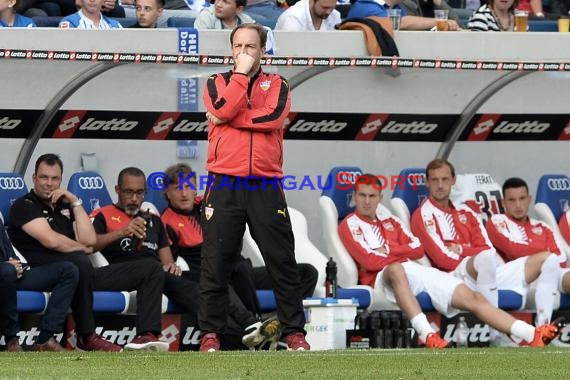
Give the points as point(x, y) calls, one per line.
point(147, 13)
point(309, 15)
point(534, 7)
point(564, 226)
point(89, 16)
point(495, 16)
point(365, 8)
point(49, 225)
point(9, 18)
point(225, 14)
point(560, 7)
point(58, 278)
point(425, 8)
point(265, 12)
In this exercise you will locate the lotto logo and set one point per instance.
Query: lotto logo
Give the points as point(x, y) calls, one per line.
point(91, 183)
point(558, 184)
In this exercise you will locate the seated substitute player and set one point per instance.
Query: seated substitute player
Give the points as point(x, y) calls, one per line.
point(519, 237)
point(455, 241)
point(125, 233)
point(383, 249)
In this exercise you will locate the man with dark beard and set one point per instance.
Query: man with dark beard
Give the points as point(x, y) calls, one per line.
point(309, 15)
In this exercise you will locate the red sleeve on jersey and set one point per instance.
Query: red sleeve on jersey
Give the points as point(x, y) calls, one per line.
point(406, 245)
point(478, 242)
point(441, 257)
point(369, 261)
point(510, 250)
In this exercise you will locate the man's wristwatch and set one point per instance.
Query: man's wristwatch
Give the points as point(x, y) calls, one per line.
point(77, 203)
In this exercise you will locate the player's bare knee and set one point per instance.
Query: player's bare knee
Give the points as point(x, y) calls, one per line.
point(394, 273)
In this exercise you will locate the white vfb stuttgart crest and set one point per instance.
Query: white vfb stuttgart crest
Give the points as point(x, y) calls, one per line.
point(265, 85)
point(208, 212)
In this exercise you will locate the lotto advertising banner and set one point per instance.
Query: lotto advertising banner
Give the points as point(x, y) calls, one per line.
point(187, 125)
point(120, 329)
point(478, 335)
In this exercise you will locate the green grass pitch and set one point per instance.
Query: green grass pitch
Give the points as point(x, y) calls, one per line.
point(457, 364)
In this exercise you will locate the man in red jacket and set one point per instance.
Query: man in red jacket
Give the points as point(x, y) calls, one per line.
point(246, 109)
point(518, 237)
point(383, 249)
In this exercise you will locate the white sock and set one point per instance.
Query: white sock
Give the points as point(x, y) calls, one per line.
point(522, 330)
point(485, 264)
point(422, 326)
point(546, 285)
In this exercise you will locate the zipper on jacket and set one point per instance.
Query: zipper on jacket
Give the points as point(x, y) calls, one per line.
point(216, 149)
point(249, 88)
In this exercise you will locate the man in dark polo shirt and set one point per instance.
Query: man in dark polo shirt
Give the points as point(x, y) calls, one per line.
point(49, 225)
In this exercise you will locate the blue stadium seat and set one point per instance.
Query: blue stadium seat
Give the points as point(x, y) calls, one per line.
point(31, 301)
point(542, 26)
point(408, 197)
point(554, 193)
point(180, 22)
point(156, 197)
point(110, 302)
point(12, 187)
point(335, 204)
point(552, 201)
point(89, 187)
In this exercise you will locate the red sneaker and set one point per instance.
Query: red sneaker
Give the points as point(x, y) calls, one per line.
point(545, 334)
point(95, 343)
point(433, 340)
point(146, 342)
point(296, 342)
point(210, 343)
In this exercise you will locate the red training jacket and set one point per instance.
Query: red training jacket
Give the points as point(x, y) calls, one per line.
point(251, 142)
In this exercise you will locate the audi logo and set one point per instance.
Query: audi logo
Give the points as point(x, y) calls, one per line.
point(558, 184)
point(90, 183)
point(11, 183)
point(418, 179)
point(347, 177)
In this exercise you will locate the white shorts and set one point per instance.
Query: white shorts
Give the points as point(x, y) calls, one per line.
point(563, 271)
point(439, 285)
point(510, 276)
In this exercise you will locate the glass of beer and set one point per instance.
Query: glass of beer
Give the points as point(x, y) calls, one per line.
point(521, 20)
point(395, 16)
point(441, 16)
point(563, 24)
